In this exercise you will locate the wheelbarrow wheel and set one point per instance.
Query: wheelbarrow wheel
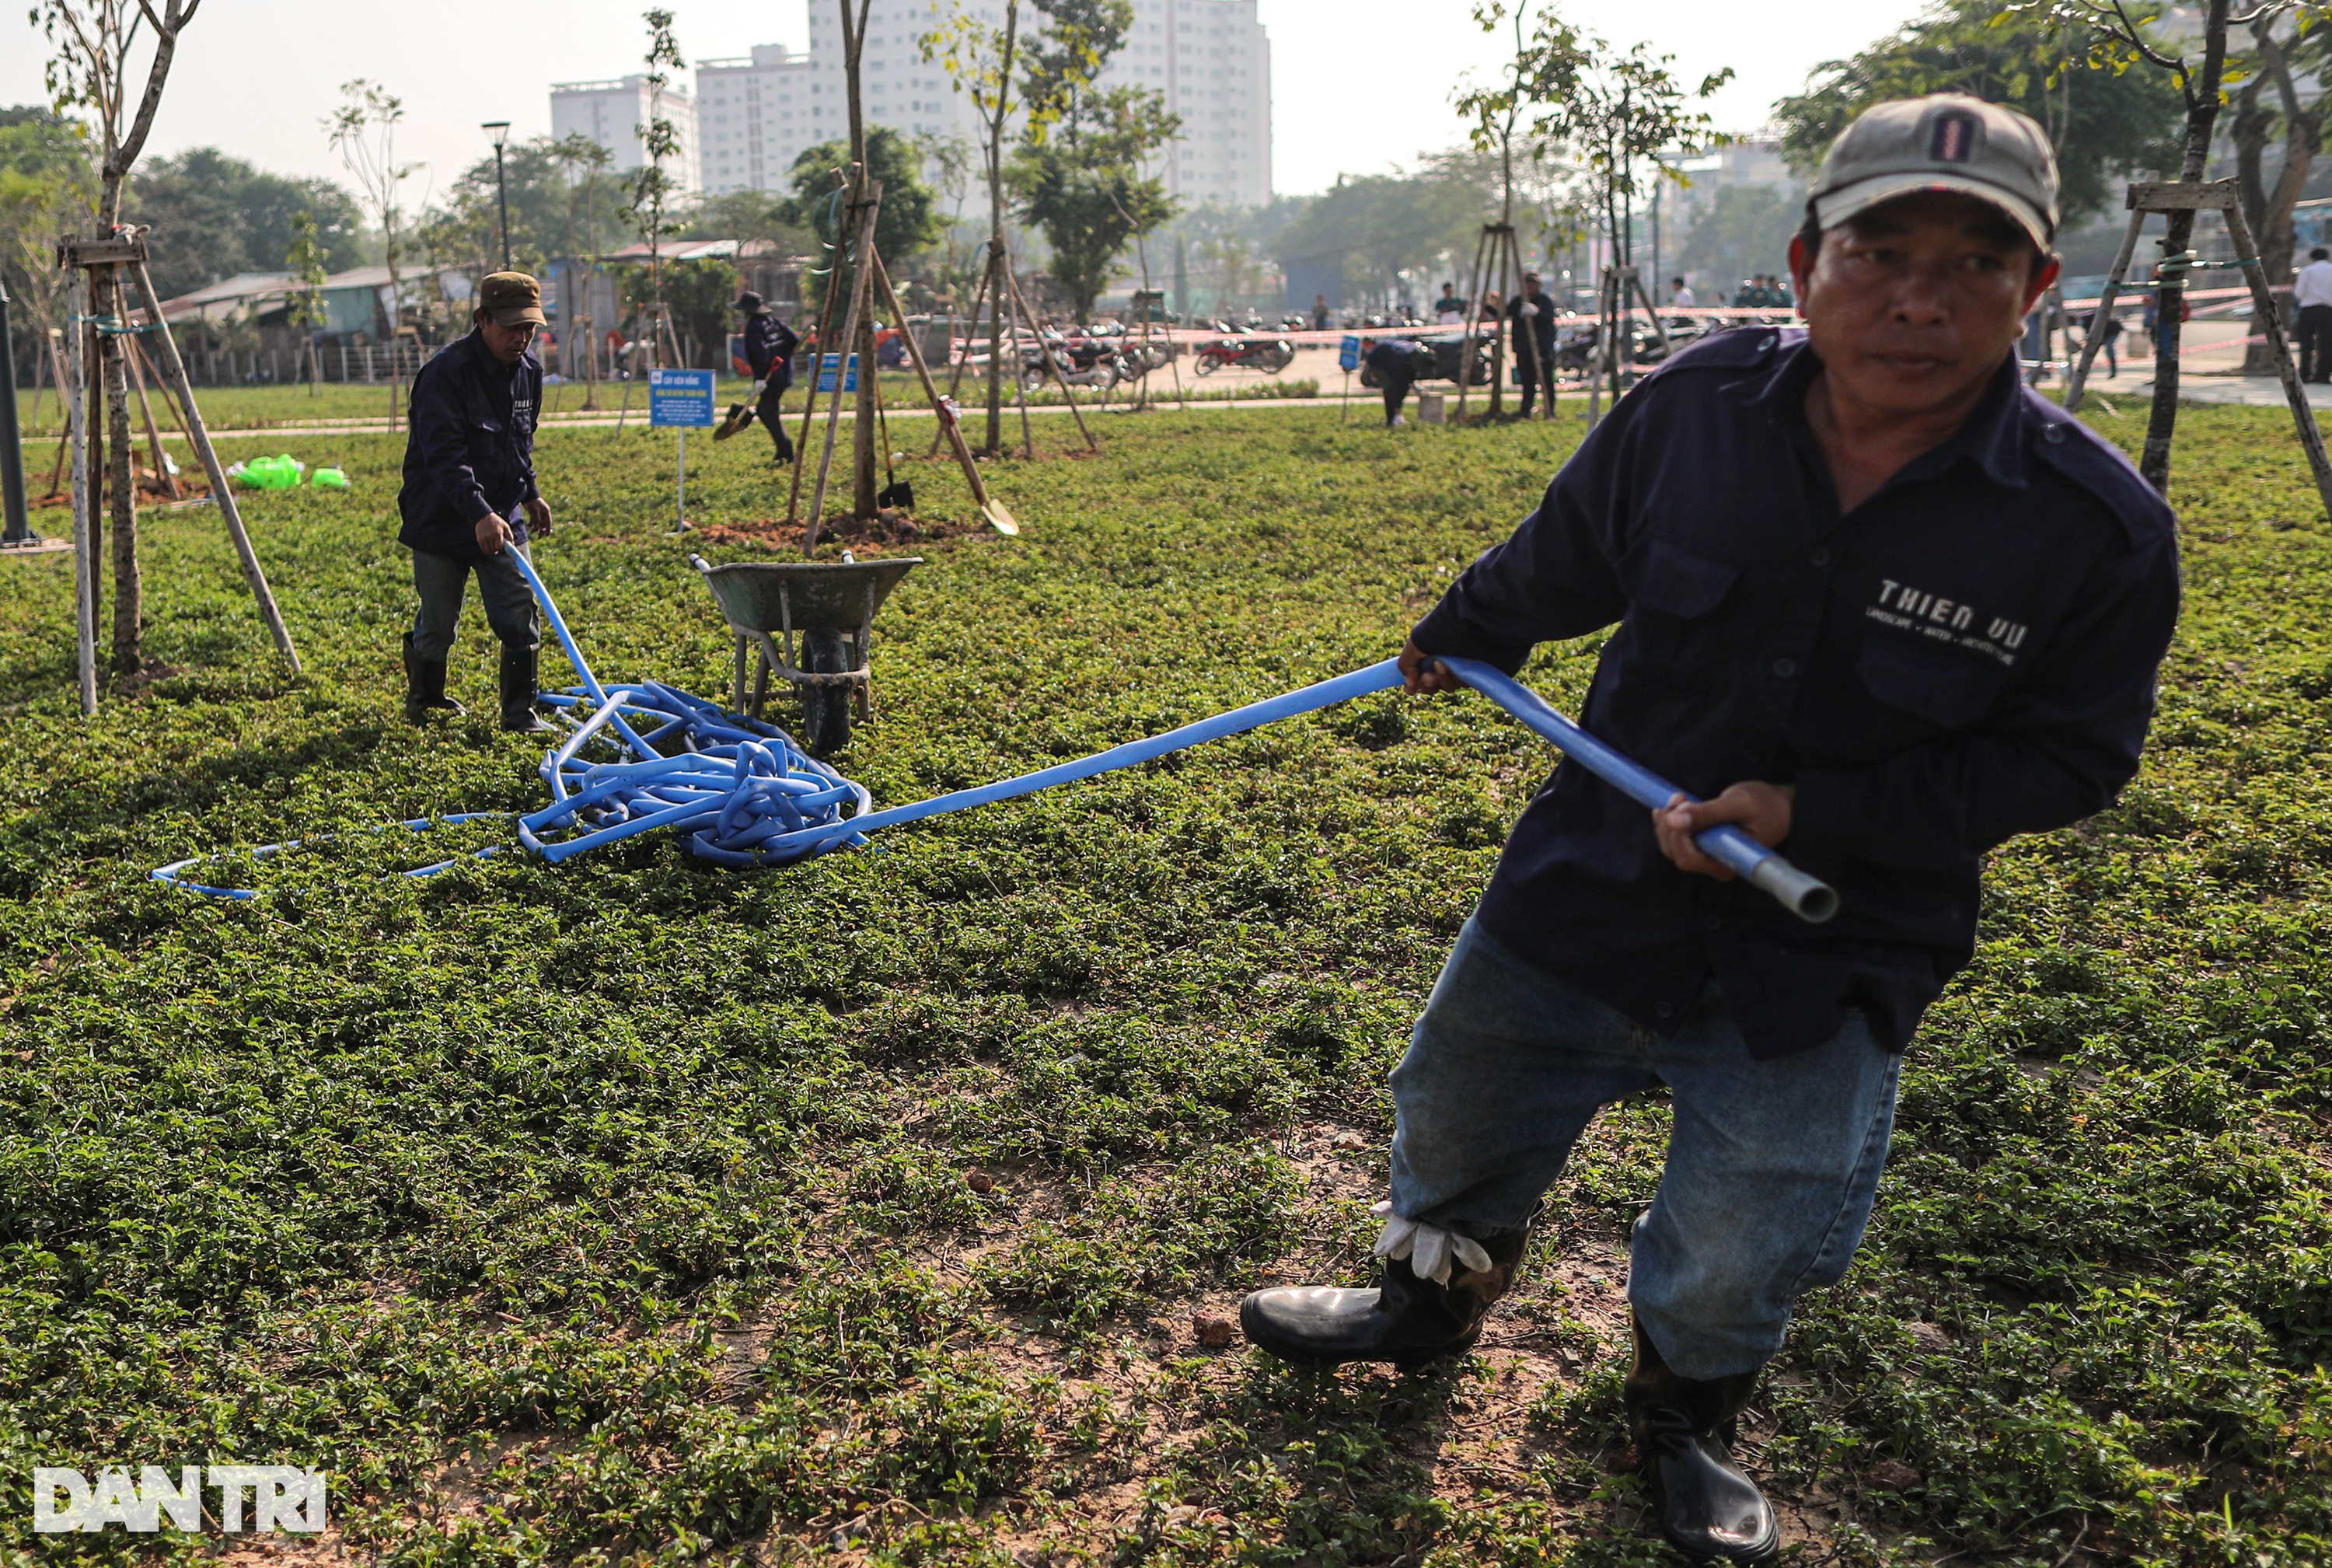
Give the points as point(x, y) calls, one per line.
point(825, 708)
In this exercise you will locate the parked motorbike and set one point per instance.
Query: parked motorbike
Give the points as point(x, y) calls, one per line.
point(1083, 361)
point(1270, 355)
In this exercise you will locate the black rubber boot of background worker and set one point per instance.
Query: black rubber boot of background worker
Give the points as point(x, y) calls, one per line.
point(772, 414)
point(1684, 1428)
point(519, 692)
point(1406, 1320)
point(424, 687)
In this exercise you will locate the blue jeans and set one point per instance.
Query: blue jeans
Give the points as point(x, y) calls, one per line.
point(1772, 1165)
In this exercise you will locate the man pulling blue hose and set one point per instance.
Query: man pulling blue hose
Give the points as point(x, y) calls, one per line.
point(470, 496)
point(1882, 607)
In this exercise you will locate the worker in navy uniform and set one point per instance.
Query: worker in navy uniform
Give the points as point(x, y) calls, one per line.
point(1530, 323)
point(770, 346)
point(1883, 608)
point(1395, 364)
point(470, 497)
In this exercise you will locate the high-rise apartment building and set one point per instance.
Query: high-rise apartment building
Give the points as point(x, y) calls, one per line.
point(749, 118)
point(753, 118)
point(1212, 61)
point(612, 113)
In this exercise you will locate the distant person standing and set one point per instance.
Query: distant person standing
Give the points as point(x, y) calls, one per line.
point(1680, 294)
point(2311, 294)
point(1450, 310)
point(2110, 326)
point(1531, 324)
point(1319, 312)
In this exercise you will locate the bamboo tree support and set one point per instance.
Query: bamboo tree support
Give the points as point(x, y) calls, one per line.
point(1052, 365)
point(2221, 197)
point(863, 244)
point(77, 421)
point(824, 345)
point(943, 409)
point(1473, 318)
point(163, 477)
point(174, 375)
point(959, 362)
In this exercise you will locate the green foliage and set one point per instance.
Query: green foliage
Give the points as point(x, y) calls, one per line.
point(1542, 72)
point(908, 223)
point(2106, 120)
point(624, 1211)
point(699, 294)
point(47, 187)
point(1078, 168)
point(1384, 226)
point(1745, 230)
point(1615, 111)
point(214, 216)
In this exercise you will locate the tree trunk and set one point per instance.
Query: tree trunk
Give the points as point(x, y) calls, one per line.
point(2267, 208)
point(129, 607)
point(94, 420)
point(2201, 117)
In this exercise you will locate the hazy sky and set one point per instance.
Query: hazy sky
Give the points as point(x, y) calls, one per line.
point(1357, 85)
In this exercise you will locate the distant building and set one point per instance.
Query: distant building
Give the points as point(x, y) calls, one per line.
point(1212, 59)
point(1754, 160)
point(753, 118)
point(611, 113)
point(901, 90)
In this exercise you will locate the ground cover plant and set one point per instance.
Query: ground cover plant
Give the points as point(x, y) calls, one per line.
point(39, 414)
point(884, 1210)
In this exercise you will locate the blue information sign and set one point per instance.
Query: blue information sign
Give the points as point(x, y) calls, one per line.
point(1348, 353)
point(682, 397)
point(826, 365)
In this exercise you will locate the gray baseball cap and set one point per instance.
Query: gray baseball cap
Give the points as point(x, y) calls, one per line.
point(1948, 142)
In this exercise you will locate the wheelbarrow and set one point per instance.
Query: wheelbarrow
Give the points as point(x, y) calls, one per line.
point(832, 605)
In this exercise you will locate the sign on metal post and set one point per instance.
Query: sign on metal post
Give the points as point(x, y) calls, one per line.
point(679, 398)
point(827, 365)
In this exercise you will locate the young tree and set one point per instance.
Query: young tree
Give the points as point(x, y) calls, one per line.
point(2120, 41)
point(90, 71)
point(1078, 167)
point(2295, 68)
point(305, 312)
point(363, 131)
point(1542, 72)
point(582, 161)
point(651, 189)
point(950, 159)
point(906, 223)
point(978, 60)
point(1619, 110)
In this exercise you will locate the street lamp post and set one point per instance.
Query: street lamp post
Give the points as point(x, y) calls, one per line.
point(500, 130)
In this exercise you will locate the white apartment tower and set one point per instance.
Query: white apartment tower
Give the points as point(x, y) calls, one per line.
point(1212, 61)
point(753, 120)
point(749, 118)
point(611, 113)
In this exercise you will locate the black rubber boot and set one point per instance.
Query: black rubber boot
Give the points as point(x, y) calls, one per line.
point(424, 687)
point(1709, 1510)
point(1405, 1320)
point(518, 690)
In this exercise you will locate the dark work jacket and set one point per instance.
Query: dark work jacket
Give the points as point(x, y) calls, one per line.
point(1542, 325)
point(472, 447)
point(770, 346)
point(1399, 357)
point(1969, 655)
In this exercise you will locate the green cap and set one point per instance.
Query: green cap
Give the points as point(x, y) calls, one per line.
point(512, 297)
point(1946, 142)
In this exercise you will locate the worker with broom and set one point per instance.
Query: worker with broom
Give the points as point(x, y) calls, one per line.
point(1886, 609)
point(470, 497)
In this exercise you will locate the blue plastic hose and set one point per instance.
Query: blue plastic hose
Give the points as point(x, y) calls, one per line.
point(745, 795)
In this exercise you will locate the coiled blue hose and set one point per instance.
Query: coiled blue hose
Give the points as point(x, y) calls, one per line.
point(745, 796)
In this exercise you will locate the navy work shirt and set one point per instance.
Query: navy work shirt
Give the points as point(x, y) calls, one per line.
point(1967, 655)
point(770, 346)
point(472, 447)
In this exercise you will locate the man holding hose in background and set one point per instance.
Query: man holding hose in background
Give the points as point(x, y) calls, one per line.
point(1886, 609)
